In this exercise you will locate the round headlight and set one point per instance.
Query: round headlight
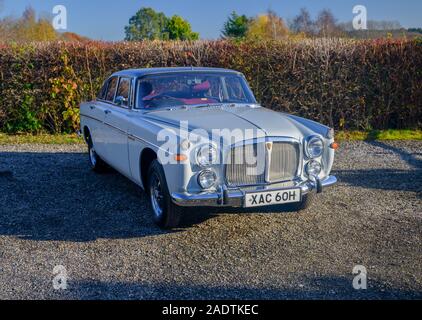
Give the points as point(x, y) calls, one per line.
point(207, 179)
point(207, 155)
point(314, 147)
point(313, 168)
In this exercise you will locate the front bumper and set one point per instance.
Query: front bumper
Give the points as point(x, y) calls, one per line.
point(235, 197)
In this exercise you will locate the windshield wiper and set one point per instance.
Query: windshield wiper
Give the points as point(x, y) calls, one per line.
point(207, 105)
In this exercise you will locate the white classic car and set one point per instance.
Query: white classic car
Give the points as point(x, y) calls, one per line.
point(197, 137)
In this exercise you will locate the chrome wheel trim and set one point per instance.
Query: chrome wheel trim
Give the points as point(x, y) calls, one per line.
point(156, 195)
point(92, 157)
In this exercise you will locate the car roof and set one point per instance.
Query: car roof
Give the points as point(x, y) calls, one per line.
point(147, 71)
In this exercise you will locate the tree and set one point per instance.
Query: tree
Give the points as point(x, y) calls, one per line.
point(268, 26)
point(44, 31)
point(27, 28)
point(29, 15)
point(416, 30)
point(326, 24)
point(147, 24)
point(384, 25)
point(303, 23)
point(4, 30)
point(236, 26)
point(179, 29)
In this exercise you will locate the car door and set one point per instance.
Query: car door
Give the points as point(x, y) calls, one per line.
point(116, 122)
point(97, 114)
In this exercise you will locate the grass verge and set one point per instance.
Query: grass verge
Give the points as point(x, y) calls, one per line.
point(340, 136)
point(40, 139)
point(381, 135)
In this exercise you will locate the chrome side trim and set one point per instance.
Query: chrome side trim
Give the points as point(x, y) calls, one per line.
point(90, 117)
point(130, 136)
point(103, 122)
point(116, 128)
point(134, 137)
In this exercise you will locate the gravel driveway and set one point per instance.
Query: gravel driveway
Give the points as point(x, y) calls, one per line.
point(55, 211)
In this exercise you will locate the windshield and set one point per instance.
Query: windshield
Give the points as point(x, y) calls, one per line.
point(192, 88)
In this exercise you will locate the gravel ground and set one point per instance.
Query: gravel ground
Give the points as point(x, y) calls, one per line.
point(55, 211)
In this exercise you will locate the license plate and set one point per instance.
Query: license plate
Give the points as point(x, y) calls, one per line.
point(267, 198)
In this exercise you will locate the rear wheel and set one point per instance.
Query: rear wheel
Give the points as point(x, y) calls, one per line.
point(97, 164)
point(166, 213)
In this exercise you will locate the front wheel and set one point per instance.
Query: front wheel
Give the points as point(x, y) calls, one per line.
point(166, 213)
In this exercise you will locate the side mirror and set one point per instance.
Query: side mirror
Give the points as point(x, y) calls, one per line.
point(120, 100)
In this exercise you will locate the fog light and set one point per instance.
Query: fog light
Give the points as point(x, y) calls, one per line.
point(207, 179)
point(313, 169)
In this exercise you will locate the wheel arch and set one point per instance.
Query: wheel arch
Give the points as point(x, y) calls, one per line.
point(146, 158)
point(87, 135)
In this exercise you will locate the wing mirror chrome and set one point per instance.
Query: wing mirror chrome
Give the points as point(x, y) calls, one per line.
point(120, 100)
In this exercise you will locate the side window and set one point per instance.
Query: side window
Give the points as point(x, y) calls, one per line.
point(103, 91)
point(111, 89)
point(123, 92)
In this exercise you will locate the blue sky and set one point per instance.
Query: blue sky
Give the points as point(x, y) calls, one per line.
point(105, 20)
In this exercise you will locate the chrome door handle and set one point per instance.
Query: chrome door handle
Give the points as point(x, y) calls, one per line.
point(107, 111)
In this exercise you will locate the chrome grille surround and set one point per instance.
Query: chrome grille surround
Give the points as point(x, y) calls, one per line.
point(279, 160)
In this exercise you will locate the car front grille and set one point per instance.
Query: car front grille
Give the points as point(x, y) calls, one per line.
point(284, 161)
point(274, 162)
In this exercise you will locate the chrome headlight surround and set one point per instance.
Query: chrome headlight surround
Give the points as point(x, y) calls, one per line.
point(314, 147)
point(206, 155)
point(330, 133)
point(207, 179)
point(185, 145)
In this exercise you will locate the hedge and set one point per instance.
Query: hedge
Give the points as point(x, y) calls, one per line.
point(347, 84)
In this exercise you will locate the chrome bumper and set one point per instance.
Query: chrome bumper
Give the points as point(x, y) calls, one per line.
point(235, 197)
